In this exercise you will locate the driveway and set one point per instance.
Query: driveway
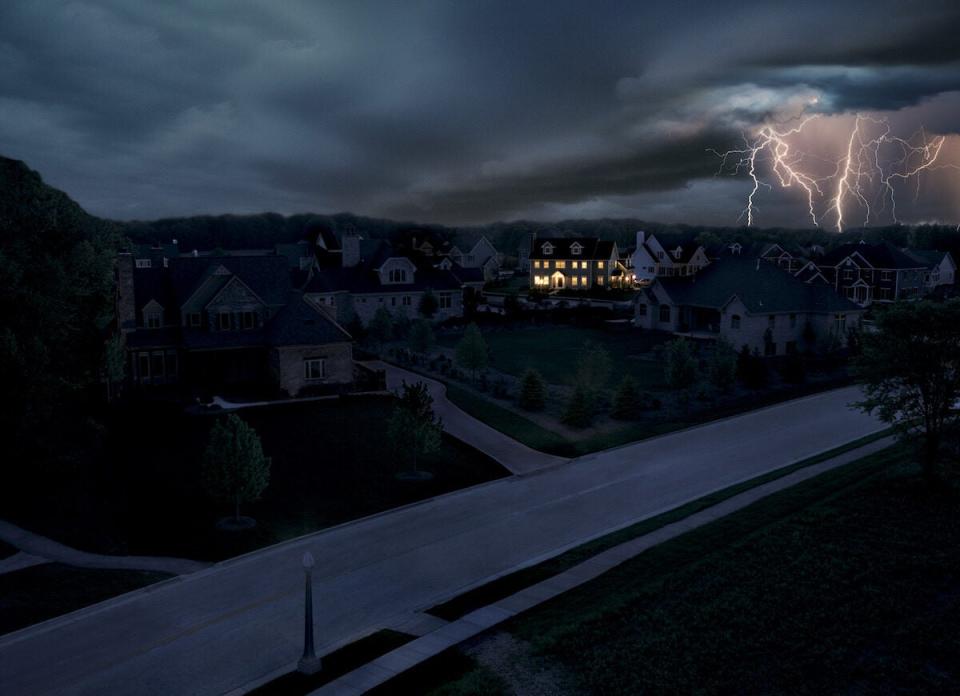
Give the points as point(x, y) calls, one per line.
point(221, 628)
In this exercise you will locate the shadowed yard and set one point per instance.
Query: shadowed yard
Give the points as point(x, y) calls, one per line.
point(331, 463)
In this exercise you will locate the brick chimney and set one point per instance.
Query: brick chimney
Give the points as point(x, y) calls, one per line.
point(351, 250)
point(641, 238)
point(126, 302)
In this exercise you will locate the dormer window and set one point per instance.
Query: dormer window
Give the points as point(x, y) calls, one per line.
point(576, 248)
point(547, 249)
point(678, 252)
point(153, 320)
point(398, 275)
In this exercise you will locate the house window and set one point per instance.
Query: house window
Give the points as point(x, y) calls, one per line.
point(249, 320)
point(735, 321)
point(144, 263)
point(393, 301)
point(793, 321)
point(561, 264)
point(576, 248)
point(223, 321)
point(406, 300)
point(398, 275)
point(642, 309)
point(314, 368)
point(153, 320)
point(547, 249)
point(665, 313)
point(660, 255)
point(195, 319)
point(583, 281)
point(886, 276)
point(599, 280)
point(446, 301)
point(840, 320)
point(536, 264)
point(848, 274)
point(772, 320)
point(144, 364)
point(574, 281)
point(600, 264)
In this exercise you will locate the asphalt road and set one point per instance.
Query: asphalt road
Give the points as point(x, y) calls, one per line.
point(218, 629)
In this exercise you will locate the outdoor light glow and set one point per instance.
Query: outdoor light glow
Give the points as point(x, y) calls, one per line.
point(864, 176)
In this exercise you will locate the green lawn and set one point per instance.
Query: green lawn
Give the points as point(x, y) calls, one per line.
point(41, 592)
point(554, 350)
point(331, 463)
point(847, 583)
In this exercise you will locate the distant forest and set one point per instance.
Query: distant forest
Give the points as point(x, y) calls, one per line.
point(266, 229)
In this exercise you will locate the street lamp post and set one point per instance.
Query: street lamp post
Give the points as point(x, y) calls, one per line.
point(309, 663)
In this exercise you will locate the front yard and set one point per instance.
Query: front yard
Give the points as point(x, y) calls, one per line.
point(331, 463)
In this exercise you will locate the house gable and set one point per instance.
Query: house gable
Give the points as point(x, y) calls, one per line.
point(235, 293)
point(397, 270)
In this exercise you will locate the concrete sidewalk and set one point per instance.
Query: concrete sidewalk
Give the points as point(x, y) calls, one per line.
point(50, 550)
point(514, 456)
point(448, 635)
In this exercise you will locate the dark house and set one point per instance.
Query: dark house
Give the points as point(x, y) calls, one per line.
point(867, 273)
point(219, 322)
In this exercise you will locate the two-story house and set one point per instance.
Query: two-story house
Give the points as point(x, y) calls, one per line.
point(482, 254)
point(574, 263)
point(374, 274)
point(652, 259)
point(940, 265)
point(227, 322)
point(749, 302)
point(867, 273)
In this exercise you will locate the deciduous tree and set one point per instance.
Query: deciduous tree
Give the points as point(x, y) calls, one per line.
point(471, 351)
point(234, 466)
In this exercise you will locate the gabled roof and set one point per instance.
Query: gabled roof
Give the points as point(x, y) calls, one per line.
point(880, 256)
point(761, 286)
point(267, 276)
point(300, 323)
point(593, 248)
point(362, 280)
point(928, 257)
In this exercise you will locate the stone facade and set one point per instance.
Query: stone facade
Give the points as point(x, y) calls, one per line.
point(346, 307)
point(288, 366)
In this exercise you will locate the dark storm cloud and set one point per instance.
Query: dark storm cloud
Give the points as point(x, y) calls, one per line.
point(453, 112)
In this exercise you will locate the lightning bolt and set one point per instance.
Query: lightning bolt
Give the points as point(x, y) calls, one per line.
point(861, 176)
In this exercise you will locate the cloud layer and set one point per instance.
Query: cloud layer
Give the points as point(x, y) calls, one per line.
point(453, 112)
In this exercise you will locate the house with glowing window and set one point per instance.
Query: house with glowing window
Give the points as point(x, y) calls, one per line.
point(749, 302)
point(233, 322)
point(576, 263)
point(654, 259)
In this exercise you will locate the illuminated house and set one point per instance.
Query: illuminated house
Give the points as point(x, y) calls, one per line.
point(749, 302)
point(575, 263)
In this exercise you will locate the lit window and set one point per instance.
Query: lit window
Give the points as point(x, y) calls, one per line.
point(536, 264)
point(599, 264)
point(574, 281)
point(313, 368)
point(561, 264)
point(583, 281)
point(599, 280)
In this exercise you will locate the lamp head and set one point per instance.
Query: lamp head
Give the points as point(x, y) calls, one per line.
point(308, 560)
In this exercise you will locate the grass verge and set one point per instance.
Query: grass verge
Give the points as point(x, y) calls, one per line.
point(42, 592)
point(451, 673)
point(846, 583)
point(336, 664)
point(509, 584)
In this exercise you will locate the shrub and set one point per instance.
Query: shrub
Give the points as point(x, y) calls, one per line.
point(533, 391)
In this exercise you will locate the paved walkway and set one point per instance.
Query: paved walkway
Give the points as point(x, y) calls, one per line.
point(223, 628)
point(19, 561)
point(50, 550)
point(514, 456)
point(447, 635)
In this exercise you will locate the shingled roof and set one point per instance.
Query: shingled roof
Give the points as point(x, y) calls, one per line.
point(883, 256)
point(762, 287)
point(300, 323)
point(592, 248)
point(267, 276)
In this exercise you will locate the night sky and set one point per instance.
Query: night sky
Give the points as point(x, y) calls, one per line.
point(464, 112)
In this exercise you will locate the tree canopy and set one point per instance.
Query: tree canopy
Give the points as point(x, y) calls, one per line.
point(910, 369)
point(471, 351)
point(413, 427)
point(234, 466)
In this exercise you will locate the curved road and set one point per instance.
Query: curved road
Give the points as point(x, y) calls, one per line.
point(223, 627)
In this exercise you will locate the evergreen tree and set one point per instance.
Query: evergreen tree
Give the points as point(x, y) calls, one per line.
point(533, 391)
point(680, 365)
point(579, 411)
point(428, 304)
point(421, 337)
point(413, 426)
point(471, 351)
point(380, 329)
point(234, 466)
point(626, 403)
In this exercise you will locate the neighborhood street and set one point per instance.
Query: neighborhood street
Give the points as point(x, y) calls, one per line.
point(225, 626)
